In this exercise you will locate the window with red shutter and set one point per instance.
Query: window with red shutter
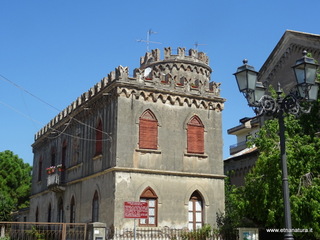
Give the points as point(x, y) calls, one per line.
point(148, 131)
point(195, 136)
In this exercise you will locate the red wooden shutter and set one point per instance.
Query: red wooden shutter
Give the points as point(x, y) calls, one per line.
point(148, 134)
point(148, 131)
point(195, 136)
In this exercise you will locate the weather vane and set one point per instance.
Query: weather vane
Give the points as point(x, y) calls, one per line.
point(149, 32)
point(196, 45)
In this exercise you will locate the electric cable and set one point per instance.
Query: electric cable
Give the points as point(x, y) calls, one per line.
point(53, 107)
point(53, 129)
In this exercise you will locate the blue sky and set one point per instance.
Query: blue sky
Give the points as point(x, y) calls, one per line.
point(56, 50)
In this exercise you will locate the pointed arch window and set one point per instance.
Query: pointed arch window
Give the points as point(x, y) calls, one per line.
point(53, 156)
point(37, 215)
point(49, 212)
point(64, 153)
point(98, 149)
point(95, 207)
point(195, 211)
point(60, 210)
point(72, 210)
point(195, 136)
point(151, 198)
point(148, 131)
point(40, 169)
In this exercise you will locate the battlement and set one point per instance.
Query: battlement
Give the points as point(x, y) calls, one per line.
point(179, 74)
point(193, 56)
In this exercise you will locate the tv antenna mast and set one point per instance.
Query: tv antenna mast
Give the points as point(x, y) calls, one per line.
point(149, 32)
point(196, 45)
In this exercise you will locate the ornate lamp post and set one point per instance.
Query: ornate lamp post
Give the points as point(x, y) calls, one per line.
point(306, 90)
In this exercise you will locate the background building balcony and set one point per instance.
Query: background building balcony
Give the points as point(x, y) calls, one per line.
point(237, 147)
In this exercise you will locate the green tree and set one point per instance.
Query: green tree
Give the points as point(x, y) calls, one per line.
point(261, 200)
point(262, 195)
point(15, 183)
point(231, 218)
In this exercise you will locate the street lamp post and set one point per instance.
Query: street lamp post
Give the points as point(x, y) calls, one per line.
point(306, 90)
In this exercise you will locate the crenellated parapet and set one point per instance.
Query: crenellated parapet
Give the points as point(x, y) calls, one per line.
point(192, 56)
point(180, 72)
point(180, 75)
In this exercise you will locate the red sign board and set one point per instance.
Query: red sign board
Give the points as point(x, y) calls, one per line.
point(136, 209)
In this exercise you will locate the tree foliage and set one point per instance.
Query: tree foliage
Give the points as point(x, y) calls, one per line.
point(15, 183)
point(261, 199)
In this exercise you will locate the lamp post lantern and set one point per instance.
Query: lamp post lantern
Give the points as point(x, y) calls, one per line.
point(306, 90)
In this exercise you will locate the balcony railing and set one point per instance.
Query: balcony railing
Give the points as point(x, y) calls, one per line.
point(54, 182)
point(238, 147)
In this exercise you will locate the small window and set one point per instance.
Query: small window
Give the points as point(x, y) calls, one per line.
point(181, 81)
point(95, 207)
point(99, 138)
point(195, 136)
point(151, 198)
point(148, 131)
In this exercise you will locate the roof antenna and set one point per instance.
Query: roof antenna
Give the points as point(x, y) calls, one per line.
point(149, 32)
point(196, 45)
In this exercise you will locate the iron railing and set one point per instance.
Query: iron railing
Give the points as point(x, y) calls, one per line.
point(80, 231)
point(42, 231)
point(161, 234)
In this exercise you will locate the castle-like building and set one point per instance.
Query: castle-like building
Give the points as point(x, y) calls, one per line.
point(155, 137)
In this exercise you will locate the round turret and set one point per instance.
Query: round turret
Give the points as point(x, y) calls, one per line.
point(181, 69)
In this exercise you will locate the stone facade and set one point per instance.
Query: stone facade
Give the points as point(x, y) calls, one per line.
point(278, 67)
point(153, 137)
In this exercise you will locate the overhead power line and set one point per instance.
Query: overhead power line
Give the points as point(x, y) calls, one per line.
point(53, 107)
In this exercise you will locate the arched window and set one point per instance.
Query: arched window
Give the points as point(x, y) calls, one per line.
point(72, 210)
point(40, 169)
point(64, 153)
point(151, 198)
point(95, 207)
point(60, 210)
point(53, 157)
point(181, 82)
point(166, 78)
point(195, 211)
point(195, 136)
point(49, 212)
point(37, 215)
point(148, 131)
point(99, 138)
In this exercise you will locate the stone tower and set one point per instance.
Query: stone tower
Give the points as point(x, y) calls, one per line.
point(154, 137)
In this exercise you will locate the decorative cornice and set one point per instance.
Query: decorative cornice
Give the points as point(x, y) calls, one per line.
point(216, 103)
point(142, 171)
point(148, 171)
